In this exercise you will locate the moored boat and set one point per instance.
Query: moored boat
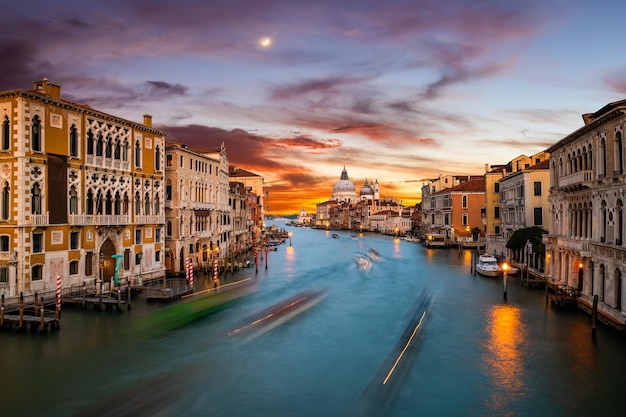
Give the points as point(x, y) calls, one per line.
point(488, 266)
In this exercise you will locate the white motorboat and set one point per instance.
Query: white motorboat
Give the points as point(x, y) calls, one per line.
point(364, 263)
point(488, 266)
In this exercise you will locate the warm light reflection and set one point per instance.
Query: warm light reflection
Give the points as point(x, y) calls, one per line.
point(504, 357)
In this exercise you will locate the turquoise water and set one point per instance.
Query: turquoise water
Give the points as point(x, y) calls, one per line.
point(473, 354)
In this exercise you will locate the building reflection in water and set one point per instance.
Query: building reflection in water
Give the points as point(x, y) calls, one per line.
point(504, 359)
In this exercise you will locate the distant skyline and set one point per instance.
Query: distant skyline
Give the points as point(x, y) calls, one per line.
point(397, 91)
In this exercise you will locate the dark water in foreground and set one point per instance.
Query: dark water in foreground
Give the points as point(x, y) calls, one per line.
point(471, 353)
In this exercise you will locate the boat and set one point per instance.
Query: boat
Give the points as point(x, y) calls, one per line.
point(354, 237)
point(435, 240)
point(373, 255)
point(488, 266)
point(364, 263)
point(335, 236)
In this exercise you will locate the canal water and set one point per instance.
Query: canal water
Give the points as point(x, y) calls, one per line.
point(415, 334)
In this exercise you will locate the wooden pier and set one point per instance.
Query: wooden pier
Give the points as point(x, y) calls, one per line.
point(562, 295)
point(98, 294)
point(36, 315)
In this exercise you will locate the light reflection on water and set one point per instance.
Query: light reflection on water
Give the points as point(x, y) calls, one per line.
point(504, 359)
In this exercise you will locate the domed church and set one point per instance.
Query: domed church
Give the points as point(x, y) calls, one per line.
point(345, 191)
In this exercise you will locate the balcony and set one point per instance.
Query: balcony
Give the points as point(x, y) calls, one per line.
point(576, 181)
point(39, 219)
point(155, 219)
point(98, 219)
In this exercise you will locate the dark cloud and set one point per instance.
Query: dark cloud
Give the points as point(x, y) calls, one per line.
point(321, 85)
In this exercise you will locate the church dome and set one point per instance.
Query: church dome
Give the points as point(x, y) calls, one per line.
point(344, 189)
point(366, 190)
point(344, 185)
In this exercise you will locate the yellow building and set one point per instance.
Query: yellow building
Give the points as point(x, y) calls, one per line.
point(78, 185)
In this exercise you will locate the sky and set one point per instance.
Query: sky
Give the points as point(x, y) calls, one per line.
point(396, 91)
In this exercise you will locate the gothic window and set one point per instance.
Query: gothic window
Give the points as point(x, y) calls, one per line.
point(108, 204)
point(73, 141)
point(137, 154)
point(168, 231)
point(109, 147)
point(619, 145)
point(6, 201)
point(157, 204)
point(99, 202)
point(89, 207)
point(6, 133)
point(125, 152)
point(603, 158)
point(117, 152)
point(137, 204)
point(117, 206)
point(157, 156)
point(89, 142)
point(35, 199)
point(146, 202)
point(619, 209)
point(73, 200)
point(35, 138)
point(126, 204)
point(99, 145)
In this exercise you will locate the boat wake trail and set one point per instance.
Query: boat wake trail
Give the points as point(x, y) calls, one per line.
point(378, 396)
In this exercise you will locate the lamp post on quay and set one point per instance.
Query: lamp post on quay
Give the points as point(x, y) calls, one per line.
point(505, 267)
point(290, 233)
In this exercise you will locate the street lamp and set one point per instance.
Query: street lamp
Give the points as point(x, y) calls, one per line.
point(290, 233)
point(505, 267)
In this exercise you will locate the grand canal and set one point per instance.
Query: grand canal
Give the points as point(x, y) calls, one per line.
point(416, 334)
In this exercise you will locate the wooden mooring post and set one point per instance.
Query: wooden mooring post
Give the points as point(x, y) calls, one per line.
point(2, 312)
point(594, 316)
point(42, 322)
point(21, 322)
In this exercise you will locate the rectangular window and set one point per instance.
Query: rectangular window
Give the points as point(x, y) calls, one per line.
point(157, 234)
point(496, 187)
point(137, 236)
point(170, 160)
point(73, 240)
point(538, 212)
point(157, 256)
point(4, 243)
point(4, 275)
point(181, 161)
point(464, 219)
point(537, 187)
point(496, 212)
point(37, 273)
point(74, 268)
point(89, 264)
point(496, 229)
point(37, 242)
point(126, 259)
point(464, 201)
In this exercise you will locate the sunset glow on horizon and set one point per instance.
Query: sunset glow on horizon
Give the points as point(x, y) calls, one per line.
point(398, 92)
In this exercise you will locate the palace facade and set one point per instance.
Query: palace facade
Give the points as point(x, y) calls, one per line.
point(78, 186)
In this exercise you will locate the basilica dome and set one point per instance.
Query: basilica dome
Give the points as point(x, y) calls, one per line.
point(366, 190)
point(344, 189)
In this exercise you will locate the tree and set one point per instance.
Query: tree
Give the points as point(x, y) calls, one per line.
point(529, 234)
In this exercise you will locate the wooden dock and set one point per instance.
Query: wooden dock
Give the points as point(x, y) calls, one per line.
point(562, 295)
point(98, 295)
point(35, 315)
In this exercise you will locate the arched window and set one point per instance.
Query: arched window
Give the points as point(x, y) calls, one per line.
point(157, 205)
point(146, 202)
point(137, 154)
point(6, 201)
point(169, 228)
point(35, 139)
point(89, 204)
point(108, 209)
point(603, 158)
point(601, 284)
point(73, 200)
point(137, 204)
point(125, 151)
point(89, 142)
point(126, 204)
point(6, 133)
point(73, 141)
point(117, 152)
point(109, 147)
point(35, 199)
point(619, 224)
point(99, 205)
point(168, 190)
point(99, 145)
point(619, 157)
point(117, 206)
point(603, 219)
point(157, 157)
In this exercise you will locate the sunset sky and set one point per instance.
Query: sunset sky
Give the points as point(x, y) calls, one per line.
point(395, 90)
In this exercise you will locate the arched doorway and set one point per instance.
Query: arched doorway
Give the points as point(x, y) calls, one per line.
point(108, 268)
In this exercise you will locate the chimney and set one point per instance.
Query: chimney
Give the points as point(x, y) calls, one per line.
point(147, 120)
point(48, 88)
